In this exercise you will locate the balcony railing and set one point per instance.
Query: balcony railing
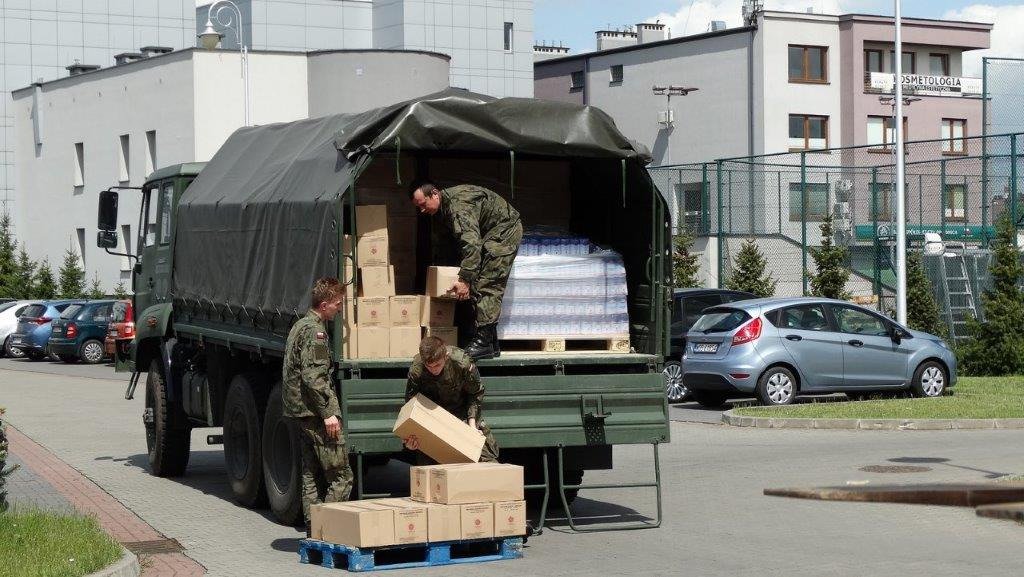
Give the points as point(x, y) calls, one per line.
point(924, 85)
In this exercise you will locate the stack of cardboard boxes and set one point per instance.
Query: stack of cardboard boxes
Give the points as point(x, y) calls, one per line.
point(447, 503)
point(378, 322)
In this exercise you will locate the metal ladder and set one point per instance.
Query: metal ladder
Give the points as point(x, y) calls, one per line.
point(959, 295)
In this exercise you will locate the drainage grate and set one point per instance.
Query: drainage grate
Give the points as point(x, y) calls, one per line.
point(894, 469)
point(154, 547)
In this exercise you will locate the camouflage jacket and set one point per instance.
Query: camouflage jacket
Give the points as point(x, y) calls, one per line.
point(458, 388)
point(476, 219)
point(307, 386)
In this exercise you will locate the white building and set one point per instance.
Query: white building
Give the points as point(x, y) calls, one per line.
point(78, 135)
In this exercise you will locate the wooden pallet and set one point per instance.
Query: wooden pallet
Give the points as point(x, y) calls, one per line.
point(331, 555)
point(566, 344)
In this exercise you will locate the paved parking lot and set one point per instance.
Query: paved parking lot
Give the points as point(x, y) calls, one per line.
point(717, 522)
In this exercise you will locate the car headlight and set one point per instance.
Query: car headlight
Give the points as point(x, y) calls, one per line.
point(942, 344)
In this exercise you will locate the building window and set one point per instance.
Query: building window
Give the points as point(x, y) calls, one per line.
point(126, 247)
point(908, 63)
point(953, 132)
point(882, 132)
point(938, 64)
point(508, 37)
point(150, 152)
point(81, 246)
point(123, 160)
point(577, 80)
point(881, 200)
point(808, 132)
point(874, 61)
point(817, 201)
point(616, 74)
point(689, 197)
point(79, 164)
point(808, 63)
point(954, 202)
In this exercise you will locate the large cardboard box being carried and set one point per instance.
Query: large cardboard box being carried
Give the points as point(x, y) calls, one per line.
point(443, 437)
point(356, 523)
point(440, 279)
point(476, 483)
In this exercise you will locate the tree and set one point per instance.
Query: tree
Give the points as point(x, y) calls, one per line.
point(749, 272)
point(44, 287)
point(71, 277)
point(685, 266)
point(8, 259)
point(830, 263)
point(923, 312)
point(25, 275)
point(95, 289)
point(996, 347)
point(120, 292)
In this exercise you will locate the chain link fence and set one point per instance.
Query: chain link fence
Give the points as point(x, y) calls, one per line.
point(1003, 99)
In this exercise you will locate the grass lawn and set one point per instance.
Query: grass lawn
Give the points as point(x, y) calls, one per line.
point(972, 398)
point(46, 544)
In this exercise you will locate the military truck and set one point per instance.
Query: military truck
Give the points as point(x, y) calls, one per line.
point(228, 251)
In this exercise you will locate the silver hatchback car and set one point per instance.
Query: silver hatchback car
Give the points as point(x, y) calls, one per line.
point(778, 348)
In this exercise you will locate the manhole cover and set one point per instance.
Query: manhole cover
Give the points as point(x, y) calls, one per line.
point(894, 469)
point(154, 547)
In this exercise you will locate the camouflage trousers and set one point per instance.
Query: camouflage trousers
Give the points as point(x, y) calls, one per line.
point(489, 288)
point(326, 475)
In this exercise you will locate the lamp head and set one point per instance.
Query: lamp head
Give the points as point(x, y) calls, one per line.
point(209, 38)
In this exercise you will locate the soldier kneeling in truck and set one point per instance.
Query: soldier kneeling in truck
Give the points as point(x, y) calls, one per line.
point(487, 232)
point(309, 399)
point(447, 376)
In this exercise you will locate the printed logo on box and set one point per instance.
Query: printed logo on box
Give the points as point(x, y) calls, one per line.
point(412, 527)
point(511, 519)
point(476, 521)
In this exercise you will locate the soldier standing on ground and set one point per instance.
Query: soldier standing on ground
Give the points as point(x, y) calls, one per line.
point(447, 376)
point(310, 400)
point(487, 232)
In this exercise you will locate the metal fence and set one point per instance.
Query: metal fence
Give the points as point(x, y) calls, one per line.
point(956, 187)
point(1003, 102)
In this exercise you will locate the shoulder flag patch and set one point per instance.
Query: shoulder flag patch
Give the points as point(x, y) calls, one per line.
point(321, 335)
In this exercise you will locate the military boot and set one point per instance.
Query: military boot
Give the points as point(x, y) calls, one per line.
point(494, 340)
point(483, 343)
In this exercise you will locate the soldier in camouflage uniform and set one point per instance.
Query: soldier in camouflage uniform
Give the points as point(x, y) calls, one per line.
point(486, 231)
point(447, 376)
point(310, 400)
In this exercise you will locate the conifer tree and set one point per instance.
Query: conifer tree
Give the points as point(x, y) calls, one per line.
point(44, 287)
point(749, 272)
point(71, 277)
point(923, 312)
point(25, 275)
point(8, 259)
point(96, 289)
point(830, 263)
point(120, 292)
point(685, 266)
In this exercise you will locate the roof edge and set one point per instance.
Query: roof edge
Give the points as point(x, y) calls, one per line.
point(667, 42)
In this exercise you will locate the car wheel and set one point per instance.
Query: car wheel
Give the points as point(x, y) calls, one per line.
point(69, 359)
point(929, 380)
point(91, 352)
point(777, 386)
point(11, 352)
point(709, 398)
point(675, 390)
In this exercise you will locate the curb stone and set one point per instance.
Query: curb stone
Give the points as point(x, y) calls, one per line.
point(127, 566)
point(869, 424)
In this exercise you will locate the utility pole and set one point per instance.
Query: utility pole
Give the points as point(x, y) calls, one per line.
point(668, 118)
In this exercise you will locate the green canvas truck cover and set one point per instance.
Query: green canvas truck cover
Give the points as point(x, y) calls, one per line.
point(262, 219)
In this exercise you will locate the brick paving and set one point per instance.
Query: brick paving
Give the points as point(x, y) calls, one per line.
point(27, 489)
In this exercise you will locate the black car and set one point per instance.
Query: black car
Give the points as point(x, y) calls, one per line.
point(687, 306)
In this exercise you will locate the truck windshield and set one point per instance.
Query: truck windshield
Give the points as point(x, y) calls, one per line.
point(720, 320)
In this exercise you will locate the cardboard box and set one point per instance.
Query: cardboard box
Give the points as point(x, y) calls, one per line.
point(440, 279)
point(410, 519)
point(509, 518)
point(444, 522)
point(371, 220)
point(405, 342)
point(478, 521)
point(437, 312)
point(374, 312)
point(450, 335)
point(372, 251)
point(419, 482)
point(405, 311)
point(476, 483)
point(350, 341)
point(443, 437)
point(377, 281)
point(373, 342)
point(356, 523)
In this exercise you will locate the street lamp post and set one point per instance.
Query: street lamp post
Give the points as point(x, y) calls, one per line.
point(210, 38)
point(901, 201)
point(668, 92)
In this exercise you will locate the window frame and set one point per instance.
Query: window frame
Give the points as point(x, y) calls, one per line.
point(945, 63)
point(573, 85)
point(883, 209)
point(913, 62)
point(827, 328)
point(949, 210)
point(144, 223)
point(812, 188)
point(833, 309)
point(611, 74)
point(807, 118)
point(881, 60)
point(953, 140)
point(805, 65)
point(887, 147)
point(508, 34)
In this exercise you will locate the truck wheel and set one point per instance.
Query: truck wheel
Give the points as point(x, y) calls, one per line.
point(242, 442)
point(281, 456)
point(91, 352)
point(168, 447)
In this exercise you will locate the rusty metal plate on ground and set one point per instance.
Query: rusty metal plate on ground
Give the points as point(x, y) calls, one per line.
point(954, 494)
point(154, 547)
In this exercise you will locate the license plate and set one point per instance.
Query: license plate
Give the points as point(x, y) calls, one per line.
point(705, 347)
point(16, 341)
point(57, 330)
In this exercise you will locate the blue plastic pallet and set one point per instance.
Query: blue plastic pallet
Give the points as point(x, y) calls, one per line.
point(426, 554)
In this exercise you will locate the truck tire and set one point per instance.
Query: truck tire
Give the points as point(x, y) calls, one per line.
point(281, 455)
point(168, 446)
point(243, 441)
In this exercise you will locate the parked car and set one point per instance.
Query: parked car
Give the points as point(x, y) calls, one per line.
point(122, 326)
point(687, 306)
point(9, 313)
point(79, 332)
point(33, 331)
point(779, 348)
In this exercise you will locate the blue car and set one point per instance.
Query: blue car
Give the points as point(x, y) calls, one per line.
point(79, 333)
point(776, 349)
point(32, 335)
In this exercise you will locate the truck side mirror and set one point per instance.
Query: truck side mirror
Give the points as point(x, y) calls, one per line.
point(106, 238)
point(107, 219)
